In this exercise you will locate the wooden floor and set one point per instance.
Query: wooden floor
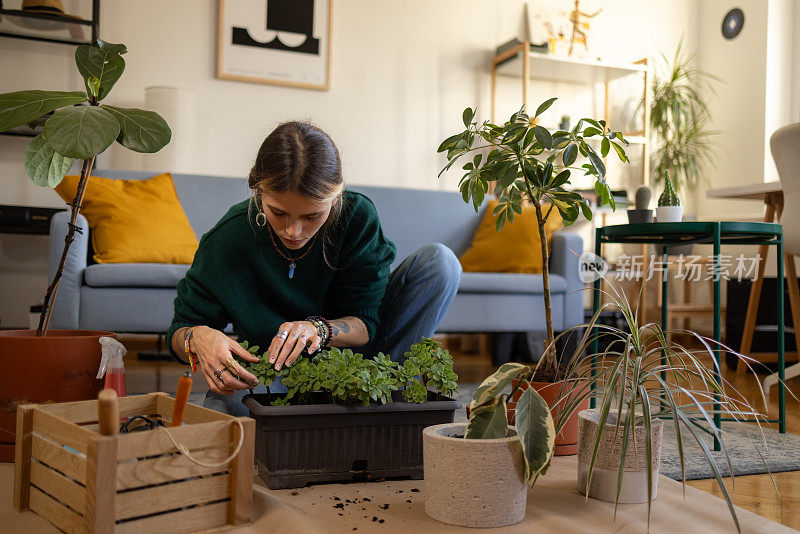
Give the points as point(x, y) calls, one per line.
point(756, 493)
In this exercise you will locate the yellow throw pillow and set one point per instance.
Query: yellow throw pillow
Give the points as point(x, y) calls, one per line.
point(134, 221)
point(514, 249)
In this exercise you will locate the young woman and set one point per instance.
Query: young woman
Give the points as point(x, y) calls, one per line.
point(302, 265)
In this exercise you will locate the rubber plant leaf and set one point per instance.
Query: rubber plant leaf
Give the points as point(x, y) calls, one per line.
point(141, 130)
point(23, 107)
point(495, 383)
point(81, 132)
point(43, 164)
point(488, 421)
point(536, 432)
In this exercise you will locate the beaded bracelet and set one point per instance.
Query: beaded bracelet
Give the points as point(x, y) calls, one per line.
point(324, 330)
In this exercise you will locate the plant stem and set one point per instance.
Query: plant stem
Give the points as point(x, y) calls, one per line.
point(52, 290)
point(549, 355)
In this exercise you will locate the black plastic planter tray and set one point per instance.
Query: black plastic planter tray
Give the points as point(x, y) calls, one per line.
point(304, 444)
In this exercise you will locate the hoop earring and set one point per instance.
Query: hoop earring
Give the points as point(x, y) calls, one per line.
point(261, 219)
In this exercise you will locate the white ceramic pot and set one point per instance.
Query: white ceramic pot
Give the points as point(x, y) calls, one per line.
point(669, 214)
point(473, 482)
point(606, 468)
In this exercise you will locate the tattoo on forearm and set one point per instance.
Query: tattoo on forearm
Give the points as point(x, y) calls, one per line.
point(339, 326)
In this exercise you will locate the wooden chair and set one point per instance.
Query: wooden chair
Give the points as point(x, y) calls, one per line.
point(785, 146)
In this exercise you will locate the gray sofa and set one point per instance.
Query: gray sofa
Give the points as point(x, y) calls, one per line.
point(138, 298)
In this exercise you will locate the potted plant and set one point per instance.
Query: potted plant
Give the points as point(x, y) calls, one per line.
point(374, 411)
point(529, 165)
point(76, 127)
point(642, 213)
point(679, 118)
point(669, 205)
point(643, 381)
point(477, 474)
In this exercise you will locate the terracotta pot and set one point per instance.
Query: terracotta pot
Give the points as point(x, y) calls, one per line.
point(567, 439)
point(473, 482)
point(59, 367)
point(605, 476)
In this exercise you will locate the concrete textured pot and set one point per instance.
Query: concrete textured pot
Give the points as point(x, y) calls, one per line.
point(606, 467)
point(669, 214)
point(473, 482)
point(640, 216)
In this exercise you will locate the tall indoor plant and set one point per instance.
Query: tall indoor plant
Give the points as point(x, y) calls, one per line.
point(679, 118)
point(528, 164)
point(76, 126)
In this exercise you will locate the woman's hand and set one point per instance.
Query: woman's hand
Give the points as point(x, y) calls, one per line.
point(213, 349)
point(292, 339)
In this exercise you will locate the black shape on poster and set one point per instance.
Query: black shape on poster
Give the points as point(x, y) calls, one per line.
point(296, 16)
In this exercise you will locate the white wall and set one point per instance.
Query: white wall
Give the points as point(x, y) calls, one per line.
point(401, 73)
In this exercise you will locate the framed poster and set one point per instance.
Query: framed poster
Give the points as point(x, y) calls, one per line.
point(281, 42)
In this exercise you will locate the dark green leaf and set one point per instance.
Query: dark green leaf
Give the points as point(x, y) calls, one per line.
point(141, 130)
point(569, 155)
point(605, 146)
point(561, 178)
point(467, 116)
point(81, 132)
point(589, 132)
point(449, 142)
point(43, 164)
point(587, 211)
point(543, 136)
point(22, 107)
point(597, 163)
point(544, 105)
point(102, 61)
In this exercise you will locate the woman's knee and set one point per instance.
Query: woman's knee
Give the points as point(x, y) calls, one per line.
point(439, 259)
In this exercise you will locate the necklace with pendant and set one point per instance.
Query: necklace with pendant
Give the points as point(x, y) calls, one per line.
point(292, 261)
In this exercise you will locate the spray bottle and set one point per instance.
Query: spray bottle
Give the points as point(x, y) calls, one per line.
point(112, 366)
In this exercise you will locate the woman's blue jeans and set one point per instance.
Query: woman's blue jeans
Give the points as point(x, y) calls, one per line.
point(418, 295)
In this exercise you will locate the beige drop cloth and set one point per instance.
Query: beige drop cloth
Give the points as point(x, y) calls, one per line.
point(554, 505)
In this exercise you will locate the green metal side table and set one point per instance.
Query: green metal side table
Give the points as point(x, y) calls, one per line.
point(666, 235)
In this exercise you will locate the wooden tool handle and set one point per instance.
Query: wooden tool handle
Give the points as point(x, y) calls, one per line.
point(181, 399)
point(108, 412)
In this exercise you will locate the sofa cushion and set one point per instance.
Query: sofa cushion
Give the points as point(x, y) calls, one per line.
point(134, 274)
point(527, 284)
point(134, 221)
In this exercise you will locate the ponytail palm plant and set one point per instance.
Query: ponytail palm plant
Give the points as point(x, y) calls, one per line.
point(529, 164)
point(78, 127)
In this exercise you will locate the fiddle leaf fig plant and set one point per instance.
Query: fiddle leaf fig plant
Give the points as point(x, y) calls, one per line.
point(529, 164)
point(78, 126)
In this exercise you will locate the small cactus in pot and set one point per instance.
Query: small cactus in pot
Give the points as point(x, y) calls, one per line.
point(642, 213)
point(669, 205)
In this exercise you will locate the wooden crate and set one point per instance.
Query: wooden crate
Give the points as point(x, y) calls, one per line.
point(82, 481)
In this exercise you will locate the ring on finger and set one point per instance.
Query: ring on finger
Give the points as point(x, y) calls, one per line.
point(282, 334)
point(218, 373)
point(230, 364)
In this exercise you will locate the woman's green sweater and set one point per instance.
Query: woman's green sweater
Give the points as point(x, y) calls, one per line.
point(238, 276)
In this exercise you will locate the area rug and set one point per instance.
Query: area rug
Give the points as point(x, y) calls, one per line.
point(746, 447)
point(744, 442)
